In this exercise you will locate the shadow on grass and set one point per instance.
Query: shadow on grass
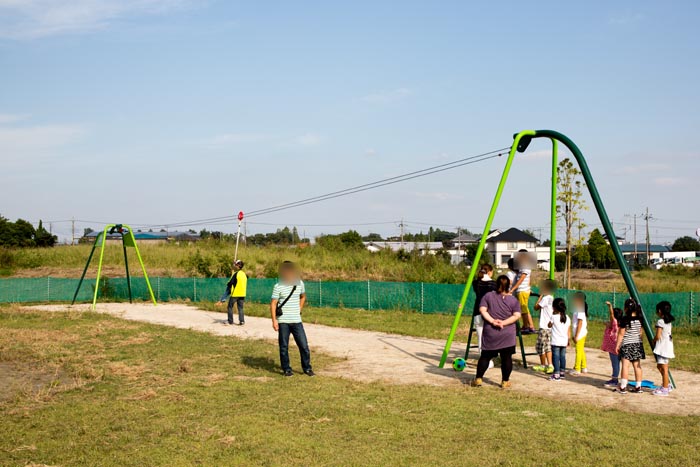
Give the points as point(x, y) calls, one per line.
point(261, 363)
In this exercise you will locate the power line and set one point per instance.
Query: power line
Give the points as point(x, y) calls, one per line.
point(352, 190)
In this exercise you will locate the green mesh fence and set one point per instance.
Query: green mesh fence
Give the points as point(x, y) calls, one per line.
point(420, 297)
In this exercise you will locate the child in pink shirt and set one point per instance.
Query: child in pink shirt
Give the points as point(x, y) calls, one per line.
point(610, 343)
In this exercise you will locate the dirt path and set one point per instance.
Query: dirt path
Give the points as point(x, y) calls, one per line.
point(375, 356)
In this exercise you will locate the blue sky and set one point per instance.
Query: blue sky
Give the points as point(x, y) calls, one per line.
point(163, 111)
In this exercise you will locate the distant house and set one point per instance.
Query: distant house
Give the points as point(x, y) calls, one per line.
point(619, 240)
point(151, 237)
point(503, 245)
point(655, 251)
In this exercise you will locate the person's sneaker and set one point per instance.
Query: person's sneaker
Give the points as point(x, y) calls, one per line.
point(226, 323)
point(540, 368)
point(562, 375)
point(242, 323)
point(555, 378)
point(506, 385)
point(584, 370)
point(574, 373)
point(611, 383)
point(476, 383)
point(637, 390)
point(288, 373)
point(309, 373)
point(661, 391)
point(620, 390)
point(549, 370)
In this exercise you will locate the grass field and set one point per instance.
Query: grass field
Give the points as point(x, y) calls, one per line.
point(437, 326)
point(114, 393)
point(212, 258)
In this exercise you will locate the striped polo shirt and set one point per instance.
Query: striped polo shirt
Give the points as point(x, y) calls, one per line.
point(291, 312)
point(633, 331)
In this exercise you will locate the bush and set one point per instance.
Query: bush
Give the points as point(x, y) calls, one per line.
point(197, 265)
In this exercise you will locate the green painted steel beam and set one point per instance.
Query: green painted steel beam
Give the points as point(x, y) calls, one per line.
point(604, 219)
point(482, 242)
point(553, 211)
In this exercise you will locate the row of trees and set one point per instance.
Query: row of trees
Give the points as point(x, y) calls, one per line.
point(22, 233)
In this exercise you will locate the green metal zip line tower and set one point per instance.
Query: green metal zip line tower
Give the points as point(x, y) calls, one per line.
point(128, 240)
point(521, 142)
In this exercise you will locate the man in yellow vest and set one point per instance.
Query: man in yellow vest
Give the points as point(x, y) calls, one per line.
point(235, 292)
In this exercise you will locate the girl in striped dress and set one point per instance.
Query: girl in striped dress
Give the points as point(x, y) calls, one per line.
point(630, 347)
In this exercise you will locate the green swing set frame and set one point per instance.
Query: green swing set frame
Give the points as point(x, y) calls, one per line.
point(128, 240)
point(521, 141)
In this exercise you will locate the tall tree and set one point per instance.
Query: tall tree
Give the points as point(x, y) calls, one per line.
point(686, 243)
point(570, 207)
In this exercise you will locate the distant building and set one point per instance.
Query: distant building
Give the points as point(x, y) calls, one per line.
point(655, 251)
point(423, 247)
point(151, 237)
point(619, 240)
point(503, 245)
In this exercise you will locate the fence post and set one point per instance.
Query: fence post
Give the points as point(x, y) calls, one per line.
point(422, 294)
point(691, 307)
point(369, 297)
point(614, 296)
point(48, 289)
point(158, 287)
point(194, 281)
point(320, 294)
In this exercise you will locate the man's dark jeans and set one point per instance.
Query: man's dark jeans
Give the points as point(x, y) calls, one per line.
point(239, 302)
point(296, 330)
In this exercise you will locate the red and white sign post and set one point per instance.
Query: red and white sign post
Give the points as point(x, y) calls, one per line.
point(238, 235)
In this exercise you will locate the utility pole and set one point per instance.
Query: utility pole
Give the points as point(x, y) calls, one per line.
point(401, 225)
point(646, 219)
point(72, 226)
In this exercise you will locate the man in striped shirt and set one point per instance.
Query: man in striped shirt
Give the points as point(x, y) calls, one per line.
point(288, 299)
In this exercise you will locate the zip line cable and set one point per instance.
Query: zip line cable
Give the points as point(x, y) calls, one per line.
point(348, 191)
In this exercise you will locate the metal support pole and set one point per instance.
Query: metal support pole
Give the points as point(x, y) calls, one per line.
point(99, 266)
point(194, 289)
point(126, 266)
point(422, 297)
point(48, 289)
point(553, 212)
point(482, 243)
point(87, 265)
point(369, 297)
point(320, 294)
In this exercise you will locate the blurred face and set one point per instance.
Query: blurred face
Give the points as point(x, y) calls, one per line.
point(288, 273)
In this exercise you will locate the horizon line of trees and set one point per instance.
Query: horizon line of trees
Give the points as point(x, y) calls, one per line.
point(22, 234)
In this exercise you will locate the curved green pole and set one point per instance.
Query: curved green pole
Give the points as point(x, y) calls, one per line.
point(604, 219)
point(482, 242)
point(553, 213)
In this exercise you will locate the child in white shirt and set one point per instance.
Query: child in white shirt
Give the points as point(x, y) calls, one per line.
point(544, 334)
point(561, 333)
point(663, 345)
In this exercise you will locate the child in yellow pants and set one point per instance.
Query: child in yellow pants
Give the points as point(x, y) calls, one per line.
point(580, 331)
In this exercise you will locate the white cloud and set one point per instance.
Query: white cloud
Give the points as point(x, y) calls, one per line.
point(438, 195)
point(642, 168)
point(535, 155)
point(388, 96)
point(309, 139)
point(30, 19)
point(227, 139)
point(11, 118)
point(626, 18)
point(669, 181)
point(26, 143)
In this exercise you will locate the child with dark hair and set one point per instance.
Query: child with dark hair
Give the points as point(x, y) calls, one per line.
point(544, 335)
point(663, 345)
point(561, 333)
point(609, 345)
point(630, 347)
point(579, 325)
